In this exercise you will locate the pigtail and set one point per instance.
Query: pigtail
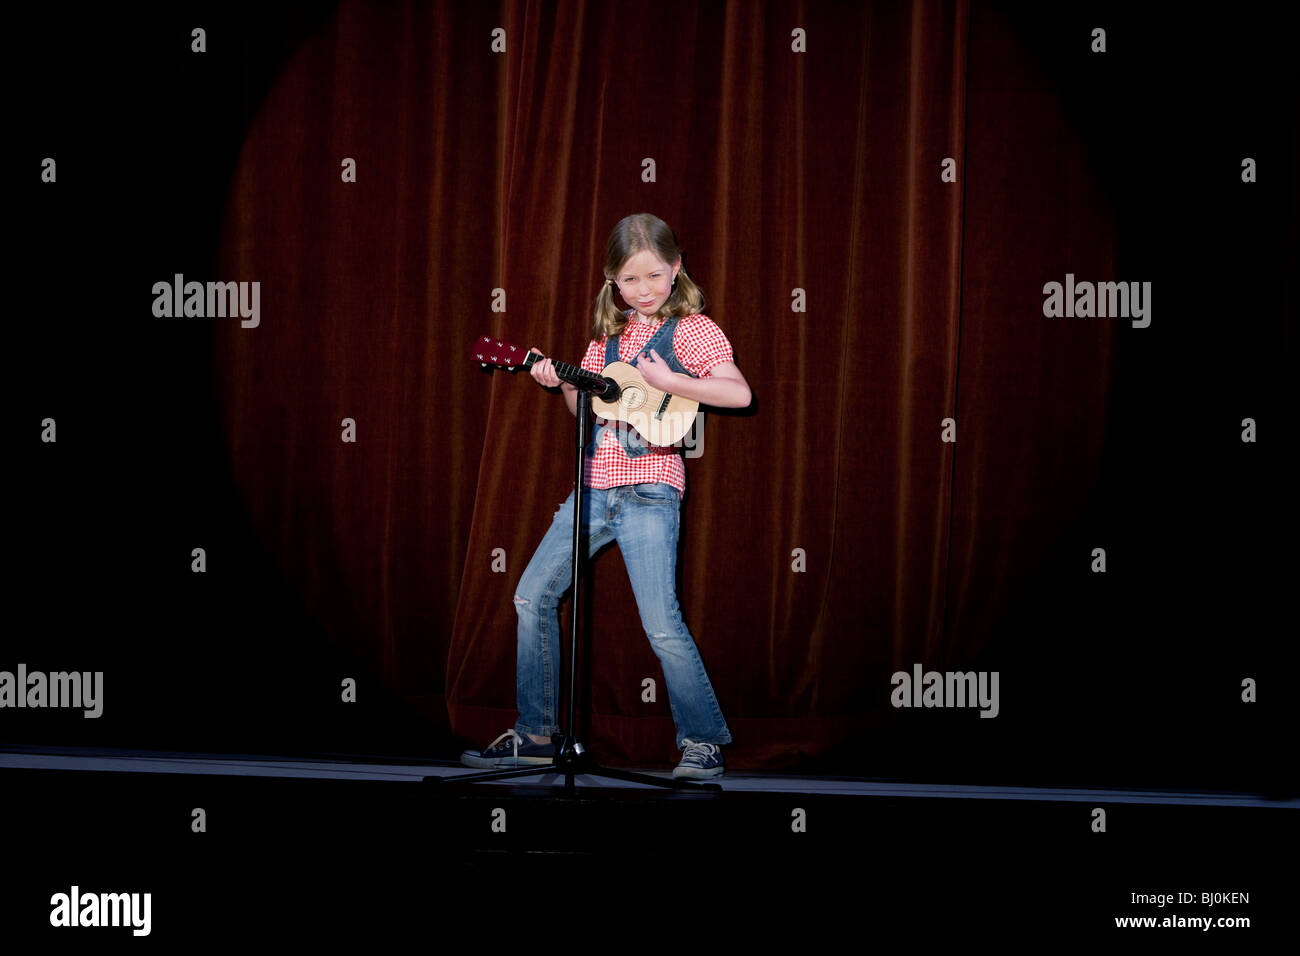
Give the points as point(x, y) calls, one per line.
point(609, 318)
point(687, 297)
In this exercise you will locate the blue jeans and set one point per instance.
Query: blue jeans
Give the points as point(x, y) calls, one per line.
point(644, 519)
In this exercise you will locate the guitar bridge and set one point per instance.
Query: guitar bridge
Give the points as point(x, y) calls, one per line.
point(663, 407)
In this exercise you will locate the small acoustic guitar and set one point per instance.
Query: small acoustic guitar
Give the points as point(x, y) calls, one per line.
point(620, 392)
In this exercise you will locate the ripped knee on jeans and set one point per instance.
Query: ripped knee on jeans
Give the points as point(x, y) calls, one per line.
point(521, 601)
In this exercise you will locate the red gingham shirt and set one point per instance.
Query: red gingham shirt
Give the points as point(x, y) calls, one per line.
point(701, 347)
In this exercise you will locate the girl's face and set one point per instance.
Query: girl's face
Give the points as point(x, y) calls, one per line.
point(645, 282)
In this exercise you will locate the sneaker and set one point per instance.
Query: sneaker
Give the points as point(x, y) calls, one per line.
point(700, 761)
point(508, 751)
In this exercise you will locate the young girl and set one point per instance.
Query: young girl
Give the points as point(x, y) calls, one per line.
point(633, 495)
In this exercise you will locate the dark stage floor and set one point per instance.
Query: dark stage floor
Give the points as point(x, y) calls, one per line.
point(327, 847)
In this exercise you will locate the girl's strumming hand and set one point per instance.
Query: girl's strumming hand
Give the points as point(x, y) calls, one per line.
point(654, 369)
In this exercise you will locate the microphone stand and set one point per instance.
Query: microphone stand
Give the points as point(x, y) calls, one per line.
point(571, 758)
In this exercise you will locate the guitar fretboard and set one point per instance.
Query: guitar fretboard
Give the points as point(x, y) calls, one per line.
point(568, 373)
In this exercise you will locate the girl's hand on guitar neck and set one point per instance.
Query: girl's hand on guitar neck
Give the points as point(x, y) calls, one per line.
point(544, 372)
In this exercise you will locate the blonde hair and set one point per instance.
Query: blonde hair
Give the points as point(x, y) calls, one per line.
point(632, 235)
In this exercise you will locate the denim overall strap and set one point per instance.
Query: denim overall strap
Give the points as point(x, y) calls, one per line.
point(661, 342)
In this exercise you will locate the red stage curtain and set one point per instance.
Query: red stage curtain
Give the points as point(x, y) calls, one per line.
point(779, 170)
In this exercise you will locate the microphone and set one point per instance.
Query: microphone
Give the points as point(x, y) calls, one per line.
point(611, 392)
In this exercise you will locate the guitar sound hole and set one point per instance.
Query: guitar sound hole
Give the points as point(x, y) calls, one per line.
point(633, 396)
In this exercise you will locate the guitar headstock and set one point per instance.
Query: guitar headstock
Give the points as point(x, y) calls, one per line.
point(490, 351)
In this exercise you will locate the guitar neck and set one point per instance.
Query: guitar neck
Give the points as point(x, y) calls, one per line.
point(566, 372)
point(490, 351)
